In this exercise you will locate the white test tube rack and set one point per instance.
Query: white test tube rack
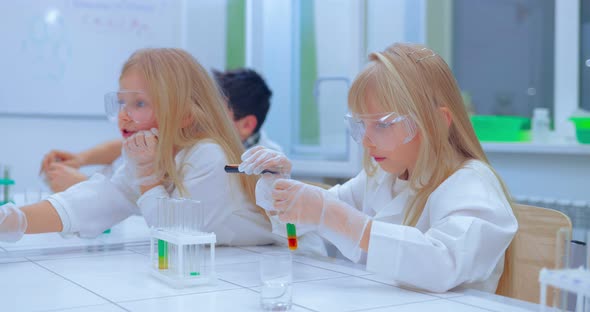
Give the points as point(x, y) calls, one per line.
point(184, 262)
point(576, 281)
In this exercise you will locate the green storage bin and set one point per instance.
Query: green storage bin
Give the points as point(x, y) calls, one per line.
point(582, 129)
point(501, 128)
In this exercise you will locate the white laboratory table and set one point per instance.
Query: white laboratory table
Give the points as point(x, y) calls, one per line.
point(116, 277)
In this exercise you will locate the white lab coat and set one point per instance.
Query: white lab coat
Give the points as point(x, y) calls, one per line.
point(460, 238)
point(90, 207)
point(109, 170)
point(265, 141)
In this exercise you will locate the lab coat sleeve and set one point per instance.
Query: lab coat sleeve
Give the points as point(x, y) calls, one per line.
point(90, 207)
point(204, 179)
point(352, 191)
point(472, 224)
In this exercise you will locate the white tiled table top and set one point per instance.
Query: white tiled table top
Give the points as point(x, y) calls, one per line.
point(120, 280)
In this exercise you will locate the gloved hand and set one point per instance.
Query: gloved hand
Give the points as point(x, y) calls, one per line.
point(140, 152)
point(13, 223)
point(264, 192)
point(336, 221)
point(258, 158)
point(63, 157)
point(60, 177)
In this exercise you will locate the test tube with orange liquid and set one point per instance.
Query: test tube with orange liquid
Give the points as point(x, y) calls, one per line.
point(292, 236)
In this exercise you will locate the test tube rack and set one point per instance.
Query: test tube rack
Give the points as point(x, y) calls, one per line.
point(180, 259)
point(576, 281)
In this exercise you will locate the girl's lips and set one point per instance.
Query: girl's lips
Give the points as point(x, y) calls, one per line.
point(126, 133)
point(379, 159)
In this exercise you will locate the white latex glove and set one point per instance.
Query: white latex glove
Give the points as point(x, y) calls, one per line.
point(264, 191)
point(13, 223)
point(336, 221)
point(140, 152)
point(258, 158)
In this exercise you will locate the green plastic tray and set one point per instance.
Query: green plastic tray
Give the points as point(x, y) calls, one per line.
point(582, 129)
point(501, 128)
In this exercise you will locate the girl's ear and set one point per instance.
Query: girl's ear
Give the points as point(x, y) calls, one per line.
point(447, 115)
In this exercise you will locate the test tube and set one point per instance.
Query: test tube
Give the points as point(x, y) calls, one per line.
point(292, 236)
point(162, 223)
point(187, 216)
point(3, 187)
point(191, 260)
point(173, 258)
point(7, 184)
point(170, 210)
point(187, 259)
point(162, 254)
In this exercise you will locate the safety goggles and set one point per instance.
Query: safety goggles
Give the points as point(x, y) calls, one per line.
point(386, 131)
point(134, 103)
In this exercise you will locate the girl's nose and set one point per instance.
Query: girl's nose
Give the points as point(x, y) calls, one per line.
point(367, 143)
point(124, 115)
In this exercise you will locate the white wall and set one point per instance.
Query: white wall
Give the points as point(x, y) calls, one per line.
point(271, 32)
point(555, 176)
point(206, 31)
point(391, 21)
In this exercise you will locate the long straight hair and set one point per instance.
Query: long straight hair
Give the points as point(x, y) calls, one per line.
point(411, 79)
point(189, 108)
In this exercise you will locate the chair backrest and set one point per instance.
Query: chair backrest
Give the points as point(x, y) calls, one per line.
point(533, 247)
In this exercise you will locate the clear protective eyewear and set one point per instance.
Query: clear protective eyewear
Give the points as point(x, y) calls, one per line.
point(386, 130)
point(134, 103)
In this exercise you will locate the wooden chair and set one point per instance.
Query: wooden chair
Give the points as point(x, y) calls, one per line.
point(533, 247)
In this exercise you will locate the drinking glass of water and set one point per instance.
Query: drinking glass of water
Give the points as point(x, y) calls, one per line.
point(276, 276)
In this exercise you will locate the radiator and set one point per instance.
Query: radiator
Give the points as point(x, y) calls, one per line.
point(577, 210)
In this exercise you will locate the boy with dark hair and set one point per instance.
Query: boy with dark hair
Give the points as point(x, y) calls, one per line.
point(248, 100)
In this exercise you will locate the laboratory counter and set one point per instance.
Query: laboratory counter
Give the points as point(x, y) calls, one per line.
point(117, 277)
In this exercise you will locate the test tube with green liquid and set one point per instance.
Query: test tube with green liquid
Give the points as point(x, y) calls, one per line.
point(162, 254)
point(292, 236)
point(6, 183)
point(6, 188)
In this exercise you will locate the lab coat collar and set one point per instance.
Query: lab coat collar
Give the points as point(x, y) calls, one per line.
point(387, 196)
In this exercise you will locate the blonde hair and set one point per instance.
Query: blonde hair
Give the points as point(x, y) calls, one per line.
point(411, 79)
point(189, 108)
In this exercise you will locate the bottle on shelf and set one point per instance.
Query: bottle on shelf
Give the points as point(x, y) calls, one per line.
point(540, 130)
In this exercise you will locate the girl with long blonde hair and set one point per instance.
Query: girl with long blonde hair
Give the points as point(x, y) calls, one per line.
point(178, 138)
point(427, 210)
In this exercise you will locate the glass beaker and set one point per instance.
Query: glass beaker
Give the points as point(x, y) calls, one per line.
point(276, 276)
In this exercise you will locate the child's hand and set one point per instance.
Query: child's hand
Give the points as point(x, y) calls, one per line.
point(13, 223)
point(140, 150)
point(66, 158)
point(258, 158)
point(297, 202)
point(60, 176)
point(335, 220)
point(141, 147)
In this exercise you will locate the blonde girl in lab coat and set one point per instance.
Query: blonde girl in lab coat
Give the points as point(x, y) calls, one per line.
point(427, 210)
point(178, 138)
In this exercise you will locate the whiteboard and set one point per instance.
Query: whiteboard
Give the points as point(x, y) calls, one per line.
point(59, 57)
